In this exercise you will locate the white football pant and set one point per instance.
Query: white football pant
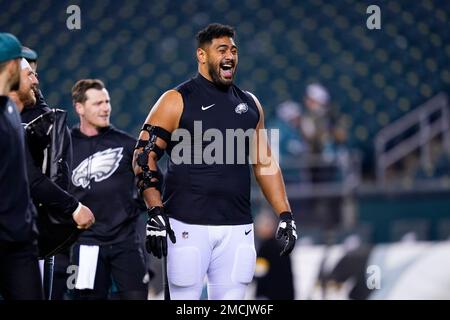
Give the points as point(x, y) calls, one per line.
point(225, 254)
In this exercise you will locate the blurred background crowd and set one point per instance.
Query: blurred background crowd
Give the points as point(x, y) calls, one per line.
point(363, 119)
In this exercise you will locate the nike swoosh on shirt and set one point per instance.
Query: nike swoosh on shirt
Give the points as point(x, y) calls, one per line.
point(207, 107)
point(247, 232)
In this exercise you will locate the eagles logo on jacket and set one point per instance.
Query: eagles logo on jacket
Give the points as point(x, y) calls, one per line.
point(103, 179)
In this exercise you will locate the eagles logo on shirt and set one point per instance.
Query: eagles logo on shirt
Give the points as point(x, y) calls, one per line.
point(241, 108)
point(99, 166)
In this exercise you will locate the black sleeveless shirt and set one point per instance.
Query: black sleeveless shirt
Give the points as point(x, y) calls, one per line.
point(208, 175)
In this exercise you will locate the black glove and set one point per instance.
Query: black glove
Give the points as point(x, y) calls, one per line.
point(287, 231)
point(158, 227)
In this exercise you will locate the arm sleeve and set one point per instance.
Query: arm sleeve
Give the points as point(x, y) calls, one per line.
point(46, 192)
point(65, 162)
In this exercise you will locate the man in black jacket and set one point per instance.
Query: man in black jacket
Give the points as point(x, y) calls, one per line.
point(43, 190)
point(103, 179)
point(49, 160)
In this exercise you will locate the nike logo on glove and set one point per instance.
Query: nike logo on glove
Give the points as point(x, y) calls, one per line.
point(207, 107)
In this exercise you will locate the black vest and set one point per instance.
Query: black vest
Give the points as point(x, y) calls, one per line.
point(211, 190)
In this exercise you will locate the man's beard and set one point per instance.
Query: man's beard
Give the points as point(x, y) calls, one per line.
point(27, 98)
point(215, 76)
point(15, 85)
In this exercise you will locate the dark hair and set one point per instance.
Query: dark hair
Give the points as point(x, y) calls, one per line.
point(83, 85)
point(213, 31)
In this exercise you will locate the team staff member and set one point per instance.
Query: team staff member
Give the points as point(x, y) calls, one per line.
point(210, 224)
point(43, 190)
point(103, 179)
point(48, 139)
point(49, 197)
